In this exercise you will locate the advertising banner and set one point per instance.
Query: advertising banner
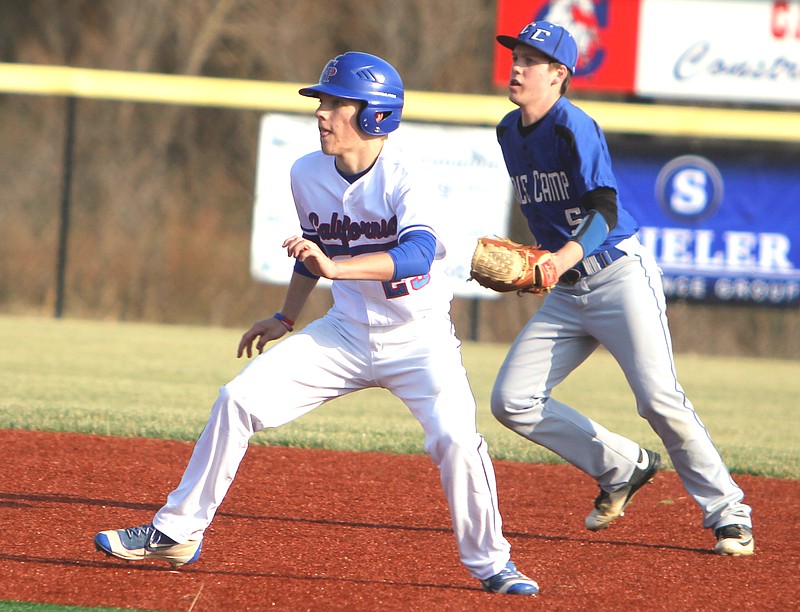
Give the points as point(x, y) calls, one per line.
point(723, 227)
point(724, 50)
point(739, 51)
point(605, 32)
point(462, 167)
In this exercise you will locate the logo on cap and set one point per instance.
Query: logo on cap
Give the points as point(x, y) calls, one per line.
point(538, 35)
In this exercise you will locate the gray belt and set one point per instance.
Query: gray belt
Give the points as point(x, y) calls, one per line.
point(591, 265)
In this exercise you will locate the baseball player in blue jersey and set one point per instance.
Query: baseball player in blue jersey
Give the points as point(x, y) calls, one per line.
point(366, 226)
point(609, 294)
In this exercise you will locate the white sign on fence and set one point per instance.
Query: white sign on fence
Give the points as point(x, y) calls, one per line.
point(464, 165)
point(742, 51)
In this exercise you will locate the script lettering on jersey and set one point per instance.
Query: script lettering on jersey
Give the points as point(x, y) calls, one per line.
point(347, 230)
point(543, 187)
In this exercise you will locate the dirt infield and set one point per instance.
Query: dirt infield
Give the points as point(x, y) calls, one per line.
point(331, 530)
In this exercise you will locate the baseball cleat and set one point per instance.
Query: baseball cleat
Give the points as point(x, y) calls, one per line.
point(734, 540)
point(147, 542)
point(510, 582)
point(610, 506)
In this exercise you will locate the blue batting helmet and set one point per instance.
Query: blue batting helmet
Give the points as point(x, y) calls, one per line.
point(368, 78)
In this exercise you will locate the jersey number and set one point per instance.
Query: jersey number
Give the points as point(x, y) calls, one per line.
point(573, 216)
point(399, 288)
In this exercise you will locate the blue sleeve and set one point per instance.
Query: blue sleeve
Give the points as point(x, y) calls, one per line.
point(413, 254)
point(299, 266)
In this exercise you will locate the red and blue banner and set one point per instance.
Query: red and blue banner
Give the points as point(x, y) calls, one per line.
point(604, 30)
point(745, 51)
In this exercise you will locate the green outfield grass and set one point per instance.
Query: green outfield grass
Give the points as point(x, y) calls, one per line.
point(19, 606)
point(131, 379)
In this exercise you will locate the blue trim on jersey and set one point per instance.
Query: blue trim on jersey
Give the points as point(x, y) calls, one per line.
point(301, 269)
point(414, 228)
point(299, 266)
point(553, 164)
point(346, 250)
point(413, 255)
point(352, 178)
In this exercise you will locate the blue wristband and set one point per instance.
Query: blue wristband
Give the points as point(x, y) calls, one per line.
point(287, 323)
point(591, 232)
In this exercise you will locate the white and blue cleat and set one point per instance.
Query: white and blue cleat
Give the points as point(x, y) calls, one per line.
point(510, 582)
point(147, 542)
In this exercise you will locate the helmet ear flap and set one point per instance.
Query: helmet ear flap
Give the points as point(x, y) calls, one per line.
point(376, 121)
point(364, 117)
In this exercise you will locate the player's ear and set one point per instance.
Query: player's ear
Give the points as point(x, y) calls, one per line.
point(559, 74)
point(561, 77)
point(566, 82)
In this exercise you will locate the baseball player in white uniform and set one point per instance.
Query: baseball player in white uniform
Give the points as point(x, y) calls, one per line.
point(610, 293)
point(368, 228)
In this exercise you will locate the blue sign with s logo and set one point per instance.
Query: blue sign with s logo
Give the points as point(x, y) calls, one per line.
point(724, 226)
point(689, 188)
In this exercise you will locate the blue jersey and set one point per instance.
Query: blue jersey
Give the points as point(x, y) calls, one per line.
point(553, 164)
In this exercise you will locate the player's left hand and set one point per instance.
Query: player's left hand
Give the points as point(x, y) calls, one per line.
point(311, 255)
point(264, 330)
point(503, 265)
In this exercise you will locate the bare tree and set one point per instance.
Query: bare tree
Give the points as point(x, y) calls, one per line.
point(162, 194)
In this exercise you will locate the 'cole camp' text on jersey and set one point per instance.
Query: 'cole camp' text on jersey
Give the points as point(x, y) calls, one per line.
point(545, 187)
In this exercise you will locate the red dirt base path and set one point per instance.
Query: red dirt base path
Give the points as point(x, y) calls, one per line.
point(332, 530)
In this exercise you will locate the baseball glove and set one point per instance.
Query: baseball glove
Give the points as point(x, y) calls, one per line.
point(503, 265)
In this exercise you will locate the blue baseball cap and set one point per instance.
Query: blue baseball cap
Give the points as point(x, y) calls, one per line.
point(551, 39)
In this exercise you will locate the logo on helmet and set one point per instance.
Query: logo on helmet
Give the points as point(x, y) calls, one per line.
point(330, 71)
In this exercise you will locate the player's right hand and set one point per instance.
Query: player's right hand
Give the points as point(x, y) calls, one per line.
point(311, 255)
point(265, 330)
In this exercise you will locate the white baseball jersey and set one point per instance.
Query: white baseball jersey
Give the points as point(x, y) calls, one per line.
point(370, 216)
point(395, 335)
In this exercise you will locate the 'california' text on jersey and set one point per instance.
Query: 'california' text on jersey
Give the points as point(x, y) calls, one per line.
point(345, 229)
point(370, 216)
